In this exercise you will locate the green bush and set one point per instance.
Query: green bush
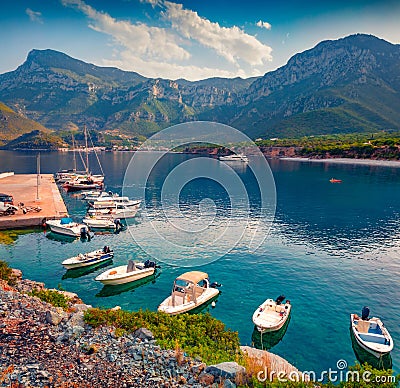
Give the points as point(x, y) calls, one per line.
point(6, 272)
point(53, 297)
point(198, 335)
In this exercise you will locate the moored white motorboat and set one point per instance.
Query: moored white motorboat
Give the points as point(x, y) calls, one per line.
point(102, 222)
point(272, 314)
point(127, 273)
point(67, 175)
point(371, 334)
point(114, 212)
point(234, 158)
point(190, 291)
point(92, 195)
point(104, 202)
point(68, 227)
point(90, 258)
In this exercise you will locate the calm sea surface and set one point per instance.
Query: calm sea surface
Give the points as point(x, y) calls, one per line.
point(332, 249)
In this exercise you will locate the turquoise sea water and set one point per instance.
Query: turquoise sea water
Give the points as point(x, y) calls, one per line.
point(332, 249)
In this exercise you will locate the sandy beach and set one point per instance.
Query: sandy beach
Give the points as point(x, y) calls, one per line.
point(365, 162)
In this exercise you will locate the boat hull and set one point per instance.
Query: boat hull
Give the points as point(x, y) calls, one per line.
point(376, 349)
point(99, 224)
point(167, 308)
point(71, 188)
point(123, 277)
point(234, 158)
point(74, 262)
point(120, 214)
point(71, 230)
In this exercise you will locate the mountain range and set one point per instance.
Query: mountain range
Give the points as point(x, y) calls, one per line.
point(339, 86)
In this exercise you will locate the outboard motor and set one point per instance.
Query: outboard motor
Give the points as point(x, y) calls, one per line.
point(365, 313)
point(215, 285)
point(84, 233)
point(118, 224)
point(280, 299)
point(150, 264)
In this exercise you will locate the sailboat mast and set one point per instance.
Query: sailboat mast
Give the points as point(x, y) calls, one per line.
point(87, 152)
point(73, 150)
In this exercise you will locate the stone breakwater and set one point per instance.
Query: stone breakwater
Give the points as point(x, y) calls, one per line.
point(45, 346)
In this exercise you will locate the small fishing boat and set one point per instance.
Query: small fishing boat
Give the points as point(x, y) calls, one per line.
point(272, 314)
point(68, 227)
point(371, 334)
point(102, 222)
point(127, 273)
point(190, 290)
point(90, 258)
point(333, 180)
point(234, 158)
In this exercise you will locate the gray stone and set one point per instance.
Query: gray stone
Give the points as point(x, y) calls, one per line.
point(144, 334)
point(77, 331)
point(198, 368)
point(226, 369)
point(228, 384)
point(54, 318)
point(77, 319)
point(81, 307)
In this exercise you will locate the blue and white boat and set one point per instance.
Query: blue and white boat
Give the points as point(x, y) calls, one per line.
point(68, 227)
point(371, 334)
point(90, 258)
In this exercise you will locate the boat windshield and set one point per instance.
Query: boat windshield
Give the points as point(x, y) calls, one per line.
point(181, 285)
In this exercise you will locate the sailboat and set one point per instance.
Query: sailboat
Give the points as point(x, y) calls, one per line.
point(63, 176)
point(88, 181)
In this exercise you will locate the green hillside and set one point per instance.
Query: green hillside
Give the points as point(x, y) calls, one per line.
point(13, 125)
point(35, 140)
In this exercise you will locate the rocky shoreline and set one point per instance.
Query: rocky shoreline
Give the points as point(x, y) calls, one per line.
point(46, 346)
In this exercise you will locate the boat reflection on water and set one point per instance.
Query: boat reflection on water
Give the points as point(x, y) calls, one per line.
point(205, 307)
point(268, 340)
point(119, 289)
point(63, 239)
point(384, 362)
point(78, 272)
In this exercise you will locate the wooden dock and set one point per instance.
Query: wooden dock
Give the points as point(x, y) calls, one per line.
point(24, 188)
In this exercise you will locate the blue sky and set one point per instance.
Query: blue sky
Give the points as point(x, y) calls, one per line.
point(191, 39)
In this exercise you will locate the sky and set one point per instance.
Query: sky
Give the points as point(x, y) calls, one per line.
point(192, 39)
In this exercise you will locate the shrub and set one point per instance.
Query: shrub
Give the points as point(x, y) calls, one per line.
point(197, 335)
point(53, 297)
point(6, 273)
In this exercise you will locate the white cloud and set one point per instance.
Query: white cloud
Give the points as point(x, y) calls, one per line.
point(262, 24)
point(156, 69)
point(150, 42)
point(34, 16)
point(232, 43)
point(155, 51)
point(152, 2)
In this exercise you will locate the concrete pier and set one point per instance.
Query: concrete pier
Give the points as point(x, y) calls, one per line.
point(23, 187)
